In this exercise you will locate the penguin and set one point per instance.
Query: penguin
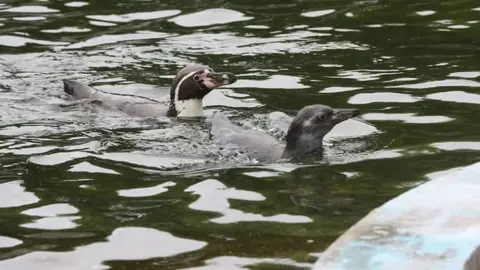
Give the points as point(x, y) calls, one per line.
point(305, 134)
point(191, 84)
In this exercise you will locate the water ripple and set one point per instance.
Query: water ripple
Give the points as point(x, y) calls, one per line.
point(112, 39)
point(425, 12)
point(139, 159)
point(239, 263)
point(28, 150)
point(257, 27)
point(440, 83)
point(74, 173)
point(456, 96)
point(318, 13)
point(407, 118)
point(210, 17)
point(228, 98)
point(30, 9)
point(365, 75)
point(458, 26)
point(77, 4)
point(338, 89)
point(106, 24)
point(13, 194)
point(147, 191)
point(16, 41)
point(273, 82)
point(138, 16)
point(262, 174)
point(53, 223)
point(51, 210)
point(454, 146)
point(90, 168)
point(228, 43)
point(385, 97)
point(214, 197)
point(30, 18)
point(465, 74)
point(67, 30)
point(6, 242)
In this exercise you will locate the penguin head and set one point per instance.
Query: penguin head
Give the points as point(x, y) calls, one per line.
point(311, 124)
point(196, 81)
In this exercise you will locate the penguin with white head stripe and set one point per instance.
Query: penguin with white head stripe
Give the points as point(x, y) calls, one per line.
point(191, 84)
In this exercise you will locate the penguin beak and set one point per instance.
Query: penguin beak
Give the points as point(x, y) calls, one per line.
point(340, 115)
point(214, 79)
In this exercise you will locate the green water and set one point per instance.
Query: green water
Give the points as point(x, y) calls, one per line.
point(83, 186)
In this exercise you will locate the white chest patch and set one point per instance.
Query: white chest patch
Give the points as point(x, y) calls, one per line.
point(189, 108)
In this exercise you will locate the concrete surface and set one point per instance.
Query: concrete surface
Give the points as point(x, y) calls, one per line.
point(433, 226)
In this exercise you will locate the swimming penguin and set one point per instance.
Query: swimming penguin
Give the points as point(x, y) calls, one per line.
point(191, 84)
point(305, 134)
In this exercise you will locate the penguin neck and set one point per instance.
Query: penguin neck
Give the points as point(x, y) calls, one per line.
point(192, 107)
point(301, 147)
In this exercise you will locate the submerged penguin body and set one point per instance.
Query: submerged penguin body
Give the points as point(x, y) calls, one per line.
point(130, 104)
point(256, 144)
point(191, 84)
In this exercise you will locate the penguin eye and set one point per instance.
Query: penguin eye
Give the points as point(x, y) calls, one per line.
point(320, 117)
point(196, 78)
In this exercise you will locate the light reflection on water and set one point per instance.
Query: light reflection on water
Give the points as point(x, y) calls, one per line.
point(155, 192)
point(148, 243)
point(14, 195)
point(214, 197)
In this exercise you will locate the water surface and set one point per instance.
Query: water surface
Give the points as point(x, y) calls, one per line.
point(85, 187)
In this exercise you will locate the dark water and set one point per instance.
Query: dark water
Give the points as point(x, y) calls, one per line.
point(88, 188)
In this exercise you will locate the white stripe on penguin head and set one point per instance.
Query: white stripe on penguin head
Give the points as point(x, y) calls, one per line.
point(180, 83)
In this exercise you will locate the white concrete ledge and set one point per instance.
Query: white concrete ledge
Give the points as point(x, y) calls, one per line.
point(433, 226)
